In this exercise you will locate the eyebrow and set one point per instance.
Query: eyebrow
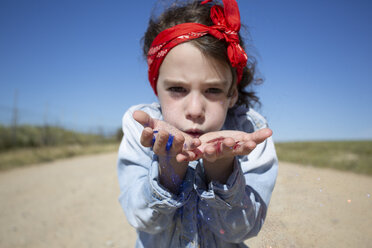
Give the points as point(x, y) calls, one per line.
point(209, 83)
point(171, 82)
point(217, 83)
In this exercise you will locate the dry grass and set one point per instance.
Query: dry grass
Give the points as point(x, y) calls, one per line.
point(35, 155)
point(355, 156)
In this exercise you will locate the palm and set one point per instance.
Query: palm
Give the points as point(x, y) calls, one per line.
point(229, 143)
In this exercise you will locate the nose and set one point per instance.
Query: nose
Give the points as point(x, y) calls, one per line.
point(195, 108)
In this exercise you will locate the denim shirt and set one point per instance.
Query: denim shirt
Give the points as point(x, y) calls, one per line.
point(202, 214)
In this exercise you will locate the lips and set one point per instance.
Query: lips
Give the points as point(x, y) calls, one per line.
point(195, 133)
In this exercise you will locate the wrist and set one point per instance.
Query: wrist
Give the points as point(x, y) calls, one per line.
point(171, 173)
point(219, 170)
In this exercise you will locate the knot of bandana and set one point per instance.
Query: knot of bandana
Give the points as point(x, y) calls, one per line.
point(226, 27)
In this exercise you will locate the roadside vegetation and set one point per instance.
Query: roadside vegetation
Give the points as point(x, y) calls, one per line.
point(354, 156)
point(28, 144)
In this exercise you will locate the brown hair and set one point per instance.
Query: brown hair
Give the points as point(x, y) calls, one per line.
point(195, 12)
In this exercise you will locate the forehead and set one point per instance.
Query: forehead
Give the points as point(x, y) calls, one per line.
point(186, 63)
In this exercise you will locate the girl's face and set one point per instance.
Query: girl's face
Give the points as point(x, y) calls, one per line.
point(193, 90)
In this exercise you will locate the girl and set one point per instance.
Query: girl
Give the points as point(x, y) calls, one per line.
point(198, 168)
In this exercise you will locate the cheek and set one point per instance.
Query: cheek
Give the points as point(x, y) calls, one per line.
point(217, 114)
point(223, 105)
point(165, 103)
point(170, 112)
point(167, 113)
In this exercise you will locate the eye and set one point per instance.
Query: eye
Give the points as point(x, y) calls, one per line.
point(177, 89)
point(214, 91)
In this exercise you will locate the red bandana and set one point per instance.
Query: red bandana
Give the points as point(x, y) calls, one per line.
point(226, 26)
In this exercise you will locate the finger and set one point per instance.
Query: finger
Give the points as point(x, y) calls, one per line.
point(261, 135)
point(169, 144)
point(225, 148)
point(143, 118)
point(181, 157)
point(191, 144)
point(249, 146)
point(195, 143)
point(198, 153)
point(228, 144)
point(186, 156)
point(178, 142)
point(160, 142)
point(245, 148)
point(146, 137)
point(210, 153)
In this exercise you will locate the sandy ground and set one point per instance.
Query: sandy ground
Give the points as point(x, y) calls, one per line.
point(73, 203)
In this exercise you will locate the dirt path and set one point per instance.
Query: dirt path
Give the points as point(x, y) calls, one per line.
point(73, 203)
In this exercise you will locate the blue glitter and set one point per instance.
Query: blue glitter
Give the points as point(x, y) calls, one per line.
point(174, 177)
point(153, 138)
point(169, 143)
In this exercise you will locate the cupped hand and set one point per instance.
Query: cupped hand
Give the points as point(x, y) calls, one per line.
point(230, 143)
point(157, 134)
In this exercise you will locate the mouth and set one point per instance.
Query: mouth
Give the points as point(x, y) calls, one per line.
point(195, 133)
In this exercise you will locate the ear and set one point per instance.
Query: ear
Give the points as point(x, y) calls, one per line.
point(234, 97)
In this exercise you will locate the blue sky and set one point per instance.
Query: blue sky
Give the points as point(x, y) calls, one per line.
point(79, 63)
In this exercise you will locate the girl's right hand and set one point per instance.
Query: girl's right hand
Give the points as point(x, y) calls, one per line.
point(183, 147)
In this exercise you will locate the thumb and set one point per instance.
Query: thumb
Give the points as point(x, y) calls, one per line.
point(144, 119)
point(262, 134)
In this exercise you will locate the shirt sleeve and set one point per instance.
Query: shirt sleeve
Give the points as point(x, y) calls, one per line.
point(236, 211)
point(147, 205)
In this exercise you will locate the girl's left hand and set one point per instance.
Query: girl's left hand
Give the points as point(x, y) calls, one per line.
point(229, 143)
